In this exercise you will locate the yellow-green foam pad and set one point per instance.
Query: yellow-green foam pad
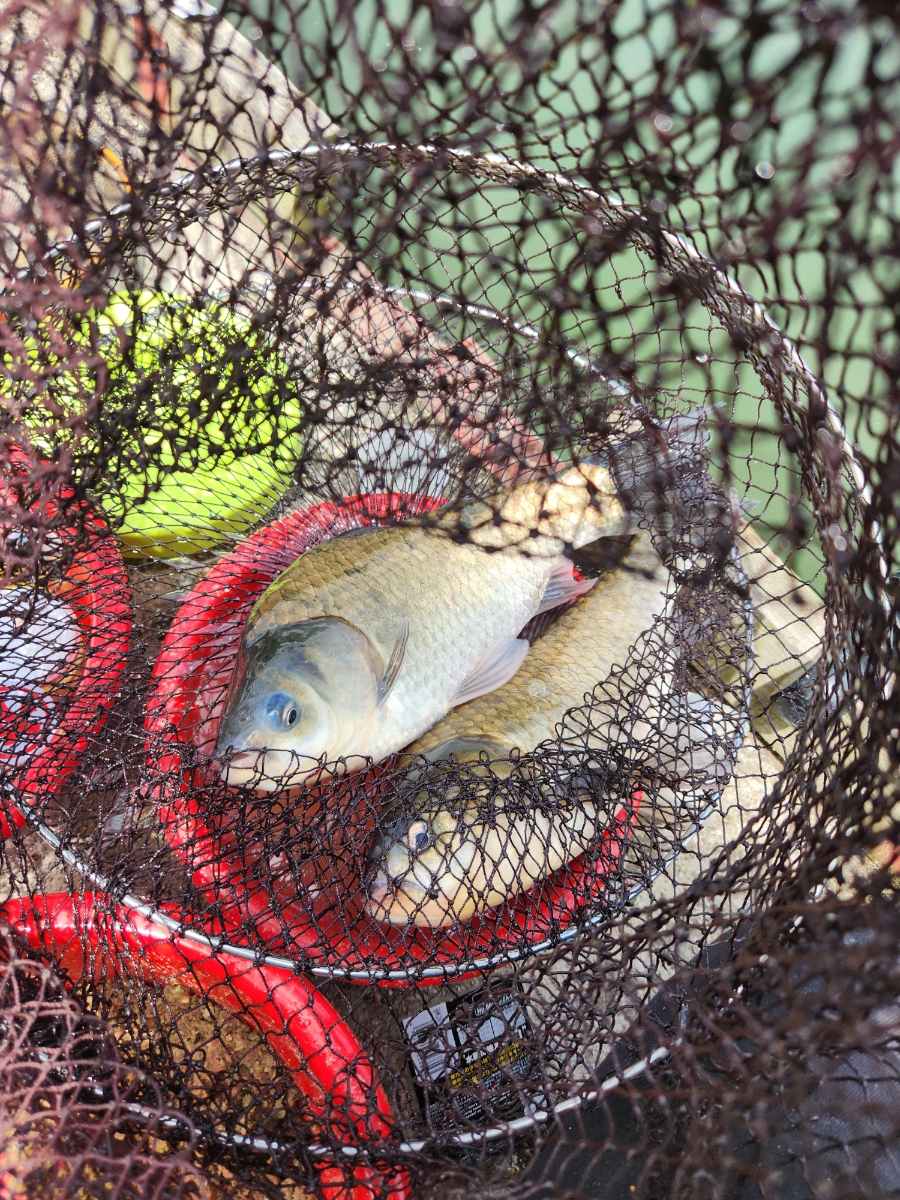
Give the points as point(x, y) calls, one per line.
point(212, 397)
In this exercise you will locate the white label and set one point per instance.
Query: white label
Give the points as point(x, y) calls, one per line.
point(433, 1043)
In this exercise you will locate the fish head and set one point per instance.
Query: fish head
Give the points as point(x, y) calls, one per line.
point(302, 695)
point(426, 859)
point(421, 865)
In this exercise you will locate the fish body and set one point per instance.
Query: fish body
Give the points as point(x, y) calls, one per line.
point(451, 868)
point(436, 867)
point(369, 639)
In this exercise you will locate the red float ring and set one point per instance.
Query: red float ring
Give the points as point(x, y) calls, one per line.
point(190, 685)
point(37, 756)
point(88, 936)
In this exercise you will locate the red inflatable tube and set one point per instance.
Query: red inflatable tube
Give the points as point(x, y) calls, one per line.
point(88, 936)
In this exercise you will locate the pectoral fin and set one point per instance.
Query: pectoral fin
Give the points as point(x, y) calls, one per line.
point(493, 671)
point(395, 662)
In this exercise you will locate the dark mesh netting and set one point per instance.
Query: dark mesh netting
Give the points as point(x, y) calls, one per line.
point(76, 1120)
point(448, 471)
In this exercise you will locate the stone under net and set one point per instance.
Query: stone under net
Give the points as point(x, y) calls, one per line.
point(447, 635)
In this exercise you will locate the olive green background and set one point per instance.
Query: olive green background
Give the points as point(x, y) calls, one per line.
point(381, 70)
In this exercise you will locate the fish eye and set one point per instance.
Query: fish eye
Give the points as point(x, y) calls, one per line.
point(282, 710)
point(418, 836)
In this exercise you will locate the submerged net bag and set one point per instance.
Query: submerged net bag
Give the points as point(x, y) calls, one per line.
point(448, 627)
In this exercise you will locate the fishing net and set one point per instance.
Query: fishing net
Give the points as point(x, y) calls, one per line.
point(447, 633)
point(77, 1121)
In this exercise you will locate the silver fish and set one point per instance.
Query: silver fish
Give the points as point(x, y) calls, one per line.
point(372, 637)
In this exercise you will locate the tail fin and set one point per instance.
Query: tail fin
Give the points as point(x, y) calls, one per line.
point(544, 517)
point(583, 505)
point(662, 474)
point(648, 465)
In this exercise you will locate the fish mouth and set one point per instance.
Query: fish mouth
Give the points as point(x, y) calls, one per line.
point(281, 770)
point(265, 770)
point(392, 904)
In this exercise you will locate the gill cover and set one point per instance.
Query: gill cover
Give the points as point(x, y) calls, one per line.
point(310, 689)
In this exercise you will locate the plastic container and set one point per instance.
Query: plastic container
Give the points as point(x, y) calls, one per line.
point(188, 374)
point(89, 935)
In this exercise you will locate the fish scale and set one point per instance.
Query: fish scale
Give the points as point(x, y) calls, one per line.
point(565, 664)
point(472, 599)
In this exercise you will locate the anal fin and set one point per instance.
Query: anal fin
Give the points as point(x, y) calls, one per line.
point(497, 668)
